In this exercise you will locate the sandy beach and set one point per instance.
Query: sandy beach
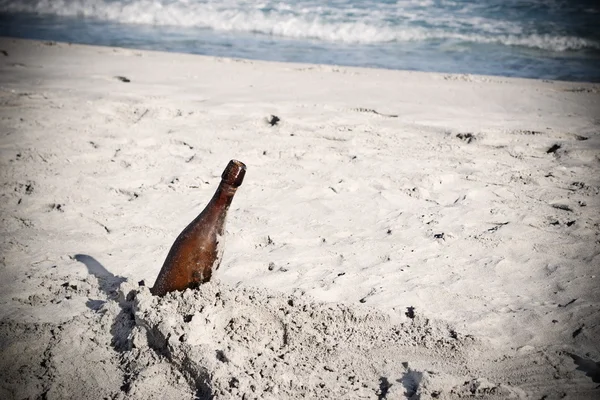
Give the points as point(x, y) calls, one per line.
point(398, 234)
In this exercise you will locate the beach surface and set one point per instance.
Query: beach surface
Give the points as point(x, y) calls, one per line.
point(398, 234)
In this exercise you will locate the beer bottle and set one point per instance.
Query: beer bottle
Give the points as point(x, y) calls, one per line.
point(198, 249)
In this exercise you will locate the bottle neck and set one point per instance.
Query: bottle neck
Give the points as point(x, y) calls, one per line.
point(225, 192)
point(223, 197)
point(214, 214)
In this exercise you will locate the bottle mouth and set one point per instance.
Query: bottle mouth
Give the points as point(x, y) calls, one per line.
point(234, 173)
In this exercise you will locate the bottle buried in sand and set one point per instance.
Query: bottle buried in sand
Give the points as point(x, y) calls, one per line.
point(197, 251)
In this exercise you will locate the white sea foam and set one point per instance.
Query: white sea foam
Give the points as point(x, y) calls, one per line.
point(344, 21)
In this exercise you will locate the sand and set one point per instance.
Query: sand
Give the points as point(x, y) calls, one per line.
point(398, 234)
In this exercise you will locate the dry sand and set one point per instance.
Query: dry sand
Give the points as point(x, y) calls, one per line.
point(398, 234)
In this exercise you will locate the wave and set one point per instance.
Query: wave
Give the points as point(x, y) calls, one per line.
point(370, 23)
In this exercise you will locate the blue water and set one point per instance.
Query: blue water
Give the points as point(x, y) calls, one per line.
point(546, 39)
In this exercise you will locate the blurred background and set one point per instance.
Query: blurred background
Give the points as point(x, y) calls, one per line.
point(545, 39)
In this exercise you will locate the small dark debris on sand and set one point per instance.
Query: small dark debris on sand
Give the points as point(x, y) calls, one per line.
point(370, 110)
point(498, 226)
point(57, 207)
point(273, 120)
point(467, 137)
point(563, 207)
point(123, 79)
point(577, 331)
point(529, 132)
point(4, 53)
point(567, 303)
point(553, 148)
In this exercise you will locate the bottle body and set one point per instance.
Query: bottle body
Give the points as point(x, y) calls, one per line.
point(197, 251)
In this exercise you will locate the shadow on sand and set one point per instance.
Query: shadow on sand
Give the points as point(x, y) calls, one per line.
point(109, 284)
point(124, 322)
point(589, 367)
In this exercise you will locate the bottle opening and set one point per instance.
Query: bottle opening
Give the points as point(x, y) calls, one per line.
point(234, 173)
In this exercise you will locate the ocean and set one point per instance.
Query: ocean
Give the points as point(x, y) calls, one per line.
point(544, 39)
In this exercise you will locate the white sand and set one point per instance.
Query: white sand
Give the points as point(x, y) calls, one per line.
point(333, 283)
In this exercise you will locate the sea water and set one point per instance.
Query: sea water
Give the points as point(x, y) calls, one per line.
point(545, 39)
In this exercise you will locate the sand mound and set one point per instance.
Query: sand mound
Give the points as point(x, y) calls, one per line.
point(234, 343)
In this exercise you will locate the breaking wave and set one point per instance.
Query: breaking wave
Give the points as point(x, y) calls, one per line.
point(351, 22)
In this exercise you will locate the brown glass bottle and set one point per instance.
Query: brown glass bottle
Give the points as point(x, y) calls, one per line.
point(198, 249)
